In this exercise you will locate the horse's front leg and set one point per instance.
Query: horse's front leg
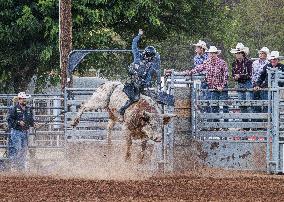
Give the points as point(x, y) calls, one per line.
point(110, 126)
point(143, 149)
point(128, 147)
point(76, 121)
point(91, 104)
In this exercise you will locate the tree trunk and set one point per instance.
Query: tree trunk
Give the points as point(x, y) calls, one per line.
point(65, 37)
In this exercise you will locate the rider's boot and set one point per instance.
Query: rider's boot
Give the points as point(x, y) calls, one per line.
point(121, 111)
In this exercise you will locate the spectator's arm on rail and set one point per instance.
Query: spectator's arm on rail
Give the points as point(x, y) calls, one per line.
point(197, 69)
point(262, 77)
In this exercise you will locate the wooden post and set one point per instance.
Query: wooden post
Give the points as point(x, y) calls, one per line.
point(65, 37)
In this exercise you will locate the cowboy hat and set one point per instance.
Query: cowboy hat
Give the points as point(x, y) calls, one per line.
point(264, 50)
point(213, 49)
point(240, 48)
point(23, 95)
point(274, 55)
point(201, 44)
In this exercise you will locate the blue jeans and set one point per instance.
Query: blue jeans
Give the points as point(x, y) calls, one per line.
point(264, 96)
point(18, 147)
point(204, 87)
point(256, 96)
point(225, 96)
point(260, 95)
point(213, 95)
point(245, 95)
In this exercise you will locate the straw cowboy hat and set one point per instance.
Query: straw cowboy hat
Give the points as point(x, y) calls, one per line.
point(23, 95)
point(201, 44)
point(274, 55)
point(213, 49)
point(240, 48)
point(264, 50)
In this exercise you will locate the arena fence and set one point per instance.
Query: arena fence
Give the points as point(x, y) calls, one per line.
point(49, 135)
point(233, 133)
point(228, 138)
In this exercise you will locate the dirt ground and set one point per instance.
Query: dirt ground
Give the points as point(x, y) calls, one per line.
point(205, 185)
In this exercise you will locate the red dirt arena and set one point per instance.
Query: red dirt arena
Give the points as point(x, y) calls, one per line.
point(205, 185)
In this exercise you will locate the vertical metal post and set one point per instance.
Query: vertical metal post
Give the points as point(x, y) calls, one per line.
point(169, 134)
point(270, 126)
point(274, 165)
point(65, 117)
point(192, 104)
point(276, 150)
point(57, 119)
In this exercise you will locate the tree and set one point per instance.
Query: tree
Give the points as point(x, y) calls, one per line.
point(65, 38)
point(28, 41)
point(260, 23)
point(29, 32)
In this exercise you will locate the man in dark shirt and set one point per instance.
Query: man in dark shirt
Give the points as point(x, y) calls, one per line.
point(20, 119)
point(262, 82)
point(274, 63)
point(242, 73)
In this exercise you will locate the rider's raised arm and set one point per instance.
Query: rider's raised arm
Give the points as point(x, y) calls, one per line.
point(135, 50)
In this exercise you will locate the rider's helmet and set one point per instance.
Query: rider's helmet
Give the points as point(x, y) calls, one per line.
point(149, 53)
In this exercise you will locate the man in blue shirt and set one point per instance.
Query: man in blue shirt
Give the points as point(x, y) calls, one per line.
point(201, 55)
point(144, 70)
point(20, 119)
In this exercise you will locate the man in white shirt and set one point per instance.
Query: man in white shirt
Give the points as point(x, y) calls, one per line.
point(257, 68)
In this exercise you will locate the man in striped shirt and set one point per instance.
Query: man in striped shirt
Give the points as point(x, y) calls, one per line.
point(216, 70)
point(216, 76)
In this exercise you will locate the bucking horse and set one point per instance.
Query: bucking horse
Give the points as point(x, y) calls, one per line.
point(143, 120)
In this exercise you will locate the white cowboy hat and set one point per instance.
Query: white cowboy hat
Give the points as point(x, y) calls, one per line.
point(240, 48)
point(23, 95)
point(274, 55)
point(213, 49)
point(265, 50)
point(201, 44)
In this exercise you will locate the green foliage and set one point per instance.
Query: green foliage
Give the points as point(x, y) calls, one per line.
point(28, 41)
point(169, 25)
point(29, 33)
point(260, 23)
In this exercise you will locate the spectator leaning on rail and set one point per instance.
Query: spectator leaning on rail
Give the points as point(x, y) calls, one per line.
point(142, 71)
point(199, 58)
point(274, 63)
point(201, 54)
point(242, 72)
point(257, 68)
point(20, 119)
point(216, 76)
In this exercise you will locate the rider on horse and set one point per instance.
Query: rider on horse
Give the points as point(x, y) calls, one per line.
point(142, 71)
